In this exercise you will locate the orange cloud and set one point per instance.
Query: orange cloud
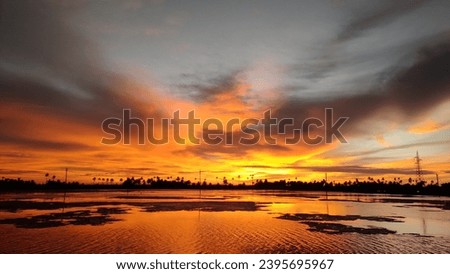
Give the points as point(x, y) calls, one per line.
point(426, 127)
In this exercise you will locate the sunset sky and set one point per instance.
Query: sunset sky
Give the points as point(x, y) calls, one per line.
point(65, 66)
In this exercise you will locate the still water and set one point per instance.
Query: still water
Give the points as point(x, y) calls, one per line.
point(187, 221)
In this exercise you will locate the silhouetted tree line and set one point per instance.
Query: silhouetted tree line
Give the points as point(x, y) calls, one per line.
point(370, 186)
point(367, 186)
point(17, 184)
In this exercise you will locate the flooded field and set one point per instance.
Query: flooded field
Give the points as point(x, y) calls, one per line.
point(187, 221)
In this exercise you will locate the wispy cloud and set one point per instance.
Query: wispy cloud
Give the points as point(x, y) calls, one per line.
point(376, 17)
point(409, 94)
point(353, 169)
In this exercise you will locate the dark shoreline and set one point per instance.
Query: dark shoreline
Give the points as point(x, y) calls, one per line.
point(366, 187)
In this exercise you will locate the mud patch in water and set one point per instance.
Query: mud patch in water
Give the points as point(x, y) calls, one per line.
point(336, 228)
point(328, 223)
point(100, 216)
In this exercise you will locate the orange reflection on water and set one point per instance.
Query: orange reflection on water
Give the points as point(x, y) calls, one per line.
point(220, 222)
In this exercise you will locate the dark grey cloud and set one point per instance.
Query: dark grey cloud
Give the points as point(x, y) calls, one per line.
point(205, 90)
point(37, 33)
point(216, 152)
point(371, 44)
point(424, 84)
point(46, 64)
point(371, 18)
point(314, 70)
point(409, 93)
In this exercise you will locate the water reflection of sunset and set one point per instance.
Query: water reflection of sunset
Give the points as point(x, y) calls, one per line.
point(111, 222)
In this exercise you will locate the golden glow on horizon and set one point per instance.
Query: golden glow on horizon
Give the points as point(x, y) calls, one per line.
point(86, 158)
